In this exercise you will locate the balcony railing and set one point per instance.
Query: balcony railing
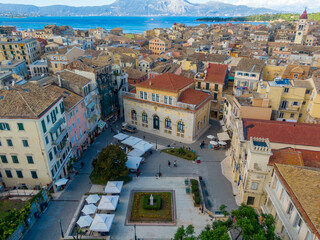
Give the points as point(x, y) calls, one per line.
point(60, 153)
point(60, 137)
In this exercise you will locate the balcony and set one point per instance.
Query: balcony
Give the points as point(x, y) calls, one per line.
point(60, 137)
point(63, 149)
point(283, 217)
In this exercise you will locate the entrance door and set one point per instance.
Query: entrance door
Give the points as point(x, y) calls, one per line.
point(156, 124)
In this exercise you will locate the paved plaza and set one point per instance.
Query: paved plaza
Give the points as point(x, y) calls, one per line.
point(218, 187)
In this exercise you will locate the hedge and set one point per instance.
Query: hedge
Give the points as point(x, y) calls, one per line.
point(157, 203)
point(194, 182)
point(194, 188)
point(197, 200)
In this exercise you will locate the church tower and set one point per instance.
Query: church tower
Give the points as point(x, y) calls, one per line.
point(301, 28)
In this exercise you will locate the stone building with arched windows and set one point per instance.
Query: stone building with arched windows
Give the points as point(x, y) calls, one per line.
point(168, 106)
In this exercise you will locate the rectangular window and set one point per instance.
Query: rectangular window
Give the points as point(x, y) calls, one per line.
point(4, 159)
point(290, 208)
point(207, 86)
point(34, 174)
point(170, 100)
point(4, 127)
point(84, 115)
point(165, 99)
point(199, 84)
point(19, 174)
point(57, 110)
point(145, 95)
point(8, 173)
point(78, 120)
point(48, 119)
point(25, 143)
point(53, 116)
point(73, 125)
point(14, 159)
point(77, 109)
point(44, 128)
point(141, 95)
point(292, 115)
point(153, 97)
point(30, 159)
point(286, 90)
point(47, 140)
point(254, 186)
point(20, 127)
point(50, 156)
point(157, 98)
point(9, 142)
point(70, 129)
point(216, 87)
point(215, 96)
point(308, 91)
point(62, 108)
point(250, 201)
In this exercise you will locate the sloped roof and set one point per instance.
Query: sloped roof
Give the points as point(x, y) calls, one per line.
point(194, 97)
point(250, 65)
point(167, 82)
point(283, 132)
point(286, 156)
point(74, 78)
point(216, 72)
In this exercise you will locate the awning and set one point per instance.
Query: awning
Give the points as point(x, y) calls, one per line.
point(223, 136)
point(102, 222)
point(101, 124)
point(143, 146)
point(121, 136)
point(136, 153)
point(61, 182)
point(84, 221)
point(89, 209)
point(133, 162)
point(93, 198)
point(57, 125)
point(131, 141)
point(108, 203)
point(113, 187)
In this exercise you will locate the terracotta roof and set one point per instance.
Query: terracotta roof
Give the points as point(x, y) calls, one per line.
point(250, 65)
point(70, 99)
point(286, 156)
point(297, 68)
point(26, 101)
point(302, 184)
point(216, 72)
point(283, 132)
point(194, 97)
point(167, 82)
point(310, 158)
point(304, 15)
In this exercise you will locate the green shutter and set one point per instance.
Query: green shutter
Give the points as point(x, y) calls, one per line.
point(44, 129)
point(8, 127)
point(15, 159)
point(20, 126)
point(1, 128)
point(62, 107)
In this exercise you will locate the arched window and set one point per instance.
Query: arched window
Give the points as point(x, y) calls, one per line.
point(156, 122)
point(198, 127)
point(133, 115)
point(144, 117)
point(167, 123)
point(180, 127)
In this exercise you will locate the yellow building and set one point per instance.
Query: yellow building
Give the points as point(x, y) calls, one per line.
point(26, 49)
point(168, 106)
point(35, 146)
point(270, 72)
point(159, 45)
point(313, 108)
point(289, 100)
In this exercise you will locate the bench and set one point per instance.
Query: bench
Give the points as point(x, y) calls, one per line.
point(186, 181)
point(206, 193)
point(187, 190)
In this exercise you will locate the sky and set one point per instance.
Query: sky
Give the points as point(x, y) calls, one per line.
point(285, 5)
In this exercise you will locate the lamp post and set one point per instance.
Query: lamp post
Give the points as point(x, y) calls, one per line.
point(61, 229)
point(135, 232)
point(156, 143)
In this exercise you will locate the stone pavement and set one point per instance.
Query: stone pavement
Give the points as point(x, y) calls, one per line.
point(186, 212)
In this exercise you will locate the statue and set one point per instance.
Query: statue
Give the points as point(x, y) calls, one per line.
point(151, 200)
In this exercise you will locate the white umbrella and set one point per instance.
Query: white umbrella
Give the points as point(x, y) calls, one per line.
point(210, 136)
point(143, 146)
point(102, 222)
point(120, 136)
point(113, 187)
point(84, 221)
point(133, 162)
point(93, 198)
point(222, 143)
point(61, 182)
point(214, 143)
point(136, 153)
point(108, 203)
point(89, 209)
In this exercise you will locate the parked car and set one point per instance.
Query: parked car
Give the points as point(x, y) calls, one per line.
point(129, 128)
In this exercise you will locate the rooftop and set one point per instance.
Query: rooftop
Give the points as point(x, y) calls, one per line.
point(302, 184)
point(167, 82)
point(194, 97)
point(216, 73)
point(250, 65)
point(74, 78)
point(283, 132)
point(286, 156)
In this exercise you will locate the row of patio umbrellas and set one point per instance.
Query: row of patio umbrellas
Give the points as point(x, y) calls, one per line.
point(215, 143)
point(100, 222)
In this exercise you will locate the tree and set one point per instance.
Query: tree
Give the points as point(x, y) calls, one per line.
point(245, 220)
point(110, 164)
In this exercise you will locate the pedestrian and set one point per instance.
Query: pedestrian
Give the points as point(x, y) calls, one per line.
point(175, 163)
point(82, 164)
point(169, 163)
point(75, 172)
point(138, 173)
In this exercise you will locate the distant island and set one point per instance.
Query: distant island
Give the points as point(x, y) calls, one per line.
point(261, 18)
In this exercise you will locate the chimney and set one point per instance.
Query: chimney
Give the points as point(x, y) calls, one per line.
point(59, 80)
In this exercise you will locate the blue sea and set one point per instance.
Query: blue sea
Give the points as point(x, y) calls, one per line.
point(129, 24)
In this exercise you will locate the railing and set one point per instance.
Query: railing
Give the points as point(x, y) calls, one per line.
point(186, 106)
point(60, 153)
point(60, 137)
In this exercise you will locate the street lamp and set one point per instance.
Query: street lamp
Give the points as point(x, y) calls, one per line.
point(61, 229)
point(135, 232)
point(156, 143)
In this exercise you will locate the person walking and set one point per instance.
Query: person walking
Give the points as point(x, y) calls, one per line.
point(175, 163)
point(138, 173)
point(169, 163)
point(82, 164)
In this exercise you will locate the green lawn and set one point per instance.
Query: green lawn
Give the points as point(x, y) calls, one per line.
point(139, 214)
point(6, 205)
point(182, 153)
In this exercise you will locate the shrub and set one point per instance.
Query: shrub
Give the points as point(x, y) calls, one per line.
point(181, 151)
point(196, 194)
point(157, 203)
point(194, 182)
point(197, 200)
point(172, 150)
point(194, 188)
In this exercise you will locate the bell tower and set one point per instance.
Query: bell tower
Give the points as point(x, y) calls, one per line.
point(301, 28)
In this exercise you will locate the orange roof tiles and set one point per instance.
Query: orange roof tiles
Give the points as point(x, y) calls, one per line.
point(283, 132)
point(286, 156)
point(194, 97)
point(167, 82)
point(217, 73)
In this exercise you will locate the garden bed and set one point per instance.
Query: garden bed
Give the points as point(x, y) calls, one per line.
point(182, 153)
point(140, 214)
point(7, 205)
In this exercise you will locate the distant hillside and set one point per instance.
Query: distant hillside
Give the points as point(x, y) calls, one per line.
point(137, 8)
point(261, 18)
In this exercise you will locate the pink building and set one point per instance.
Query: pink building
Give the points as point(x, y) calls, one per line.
point(75, 111)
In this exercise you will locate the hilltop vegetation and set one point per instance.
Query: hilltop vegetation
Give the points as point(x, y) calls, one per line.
point(262, 18)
